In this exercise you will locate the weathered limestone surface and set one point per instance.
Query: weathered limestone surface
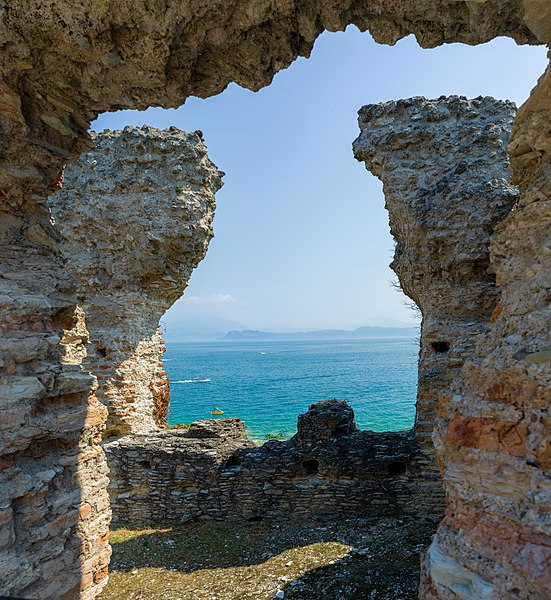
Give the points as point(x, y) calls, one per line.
point(445, 176)
point(61, 63)
point(491, 432)
point(127, 55)
point(135, 217)
point(213, 471)
point(497, 446)
point(54, 505)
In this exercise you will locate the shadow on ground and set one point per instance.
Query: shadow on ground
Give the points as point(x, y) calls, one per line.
point(347, 559)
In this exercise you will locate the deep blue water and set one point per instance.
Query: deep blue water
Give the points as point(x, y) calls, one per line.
point(268, 384)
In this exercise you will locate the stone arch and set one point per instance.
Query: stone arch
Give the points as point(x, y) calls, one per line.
point(61, 65)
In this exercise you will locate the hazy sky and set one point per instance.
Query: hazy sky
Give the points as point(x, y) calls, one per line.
point(301, 234)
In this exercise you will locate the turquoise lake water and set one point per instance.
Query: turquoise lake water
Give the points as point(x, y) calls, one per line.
point(268, 384)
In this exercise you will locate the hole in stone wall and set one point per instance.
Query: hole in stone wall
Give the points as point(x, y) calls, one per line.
point(228, 297)
point(255, 519)
point(144, 464)
point(233, 461)
point(440, 347)
point(101, 351)
point(396, 468)
point(311, 466)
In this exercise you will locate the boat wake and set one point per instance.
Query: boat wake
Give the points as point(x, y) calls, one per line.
point(198, 380)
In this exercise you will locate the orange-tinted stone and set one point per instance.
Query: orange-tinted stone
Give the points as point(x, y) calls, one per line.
point(496, 312)
point(10, 104)
point(104, 537)
point(57, 184)
point(509, 388)
point(543, 456)
point(101, 573)
point(522, 549)
point(96, 415)
point(489, 434)
point(85, 511)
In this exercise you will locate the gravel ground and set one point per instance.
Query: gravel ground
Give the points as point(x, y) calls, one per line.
point(348, 559)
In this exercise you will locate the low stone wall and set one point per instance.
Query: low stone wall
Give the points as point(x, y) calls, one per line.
point(213, 471)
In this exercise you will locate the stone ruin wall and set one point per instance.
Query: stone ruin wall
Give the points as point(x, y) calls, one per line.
point(135, 174)
point(496, 484)
point(444, 168)
point(329, 469)
point(496, 444)
point(130, 261)
point(135, 217)
point(488, 493)
point(64, 63)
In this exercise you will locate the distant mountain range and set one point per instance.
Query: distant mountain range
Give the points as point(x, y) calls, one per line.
point(366, 331)
point(195, 328)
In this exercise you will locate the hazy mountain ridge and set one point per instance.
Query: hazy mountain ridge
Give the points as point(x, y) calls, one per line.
point(366, 331)
point(196, 328)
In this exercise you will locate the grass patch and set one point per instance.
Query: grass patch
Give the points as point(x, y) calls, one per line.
point(238, 561)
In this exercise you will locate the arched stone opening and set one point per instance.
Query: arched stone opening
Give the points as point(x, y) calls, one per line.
point(116, 289)
point(159, 478)
point(54, 470)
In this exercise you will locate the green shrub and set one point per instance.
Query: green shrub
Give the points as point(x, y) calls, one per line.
point(277, 435)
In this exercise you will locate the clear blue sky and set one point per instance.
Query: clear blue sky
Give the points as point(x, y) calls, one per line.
point(301, 234)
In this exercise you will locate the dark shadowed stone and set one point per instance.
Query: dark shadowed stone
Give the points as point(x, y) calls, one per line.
point(324, 420)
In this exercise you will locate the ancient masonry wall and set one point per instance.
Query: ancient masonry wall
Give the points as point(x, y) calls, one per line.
point(63, 63)
point(485, 383)
point(494, 437)
point(135, 217)
point(445, 176)
point(328, 469)
point(54, 505)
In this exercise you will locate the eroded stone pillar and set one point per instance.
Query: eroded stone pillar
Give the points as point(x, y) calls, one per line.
point(495, 541)
point(135, 215)
point(492, 430)
point(445, 174)
point(54, 506)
